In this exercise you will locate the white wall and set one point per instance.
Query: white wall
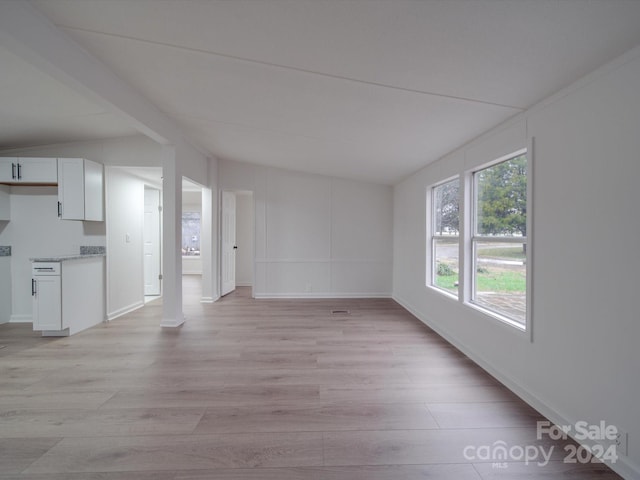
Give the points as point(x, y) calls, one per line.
point(244, 239)
point(582, 363)
point(36, 231)
point(125, 261)
point(316, 236)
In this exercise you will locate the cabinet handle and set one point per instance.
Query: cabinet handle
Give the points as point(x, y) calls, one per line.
point(59, 209)
point(19, 172)
point(13, 171)
point(33, 287)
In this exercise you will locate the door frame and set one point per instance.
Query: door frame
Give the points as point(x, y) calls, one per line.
point(152, 187)
point(221, 237)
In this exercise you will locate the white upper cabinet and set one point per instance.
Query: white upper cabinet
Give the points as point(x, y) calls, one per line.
point(28, 170)
point(80, 189)
point(8, 169)
point(5, 203)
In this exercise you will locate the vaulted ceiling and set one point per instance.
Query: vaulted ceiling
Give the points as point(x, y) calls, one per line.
point(364, 89)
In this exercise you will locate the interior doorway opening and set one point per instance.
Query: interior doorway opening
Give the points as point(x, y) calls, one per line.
point(152, 243)
point(237, 250)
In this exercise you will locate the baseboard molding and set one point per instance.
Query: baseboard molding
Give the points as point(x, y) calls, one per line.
point(171, 322)
point(244, 284)
point(320, 295)
point(209, 299)
point(124, 310)
point(623, 467)
point(22, 318)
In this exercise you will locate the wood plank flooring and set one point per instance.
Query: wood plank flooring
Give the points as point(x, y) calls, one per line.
point(258, 390)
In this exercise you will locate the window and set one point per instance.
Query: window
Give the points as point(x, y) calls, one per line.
point(445, 236)
point(191, 233)
point(499, 239)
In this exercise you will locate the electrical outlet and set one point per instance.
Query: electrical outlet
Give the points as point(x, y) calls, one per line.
point(621, 442)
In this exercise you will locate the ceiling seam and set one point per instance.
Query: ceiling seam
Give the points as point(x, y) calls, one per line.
point(295, 69)
point(263, 129)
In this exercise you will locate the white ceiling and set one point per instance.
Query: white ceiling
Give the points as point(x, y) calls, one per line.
point(37, 110)
point(364, 89)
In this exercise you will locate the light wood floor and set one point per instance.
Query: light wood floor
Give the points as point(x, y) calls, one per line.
point(260, 390)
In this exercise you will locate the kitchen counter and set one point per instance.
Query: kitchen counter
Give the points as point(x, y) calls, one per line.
point(64, 258)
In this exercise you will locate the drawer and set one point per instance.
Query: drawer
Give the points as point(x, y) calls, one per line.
point(45, 268)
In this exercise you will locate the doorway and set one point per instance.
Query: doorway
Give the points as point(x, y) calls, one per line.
point(152, 242)
point(237, 241)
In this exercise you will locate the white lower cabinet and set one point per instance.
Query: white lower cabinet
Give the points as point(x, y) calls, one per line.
point(68, 295)
point(47, 297)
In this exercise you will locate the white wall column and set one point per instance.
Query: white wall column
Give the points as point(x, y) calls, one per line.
point(206, 247)
point(209, 235)
point(172, 315)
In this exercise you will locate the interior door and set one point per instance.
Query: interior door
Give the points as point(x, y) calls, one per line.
point(151, 241)
point(228, 243)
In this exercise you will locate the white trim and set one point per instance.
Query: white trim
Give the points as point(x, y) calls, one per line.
point(321, 295)
point(623, 466)
point(446, 293)
point(172, 322)
point(505, 320)
point(244, 284)
point(209, 299)
point(20, 318)
point(530, 234)
point(321, 260)
point(125, 310)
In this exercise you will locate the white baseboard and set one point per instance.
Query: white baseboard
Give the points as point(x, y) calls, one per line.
point(125, 310)
point(22, 318)
point(171, 322)
point(209, 299)
point(623, 466)
point(320, 295)
point(244, 284)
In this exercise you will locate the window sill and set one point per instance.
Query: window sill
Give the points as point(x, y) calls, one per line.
point(502, 319)
point(445, 293)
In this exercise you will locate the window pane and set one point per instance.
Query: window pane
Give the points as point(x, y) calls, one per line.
point(191, 233)
point(501, 199)
point(445, 252)
point(446, 212)
point(501, 278)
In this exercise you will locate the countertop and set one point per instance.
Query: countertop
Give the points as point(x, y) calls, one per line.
point(64, 258)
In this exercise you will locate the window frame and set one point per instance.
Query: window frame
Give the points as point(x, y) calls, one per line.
point(474, 238)
point(432, 236)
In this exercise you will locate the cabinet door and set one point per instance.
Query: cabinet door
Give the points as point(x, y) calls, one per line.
point(5, 289)
point(5, 203)
point(93, 191)
point(37, 170)
point(8, 169)
point(47, 303)
point(71, 188)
